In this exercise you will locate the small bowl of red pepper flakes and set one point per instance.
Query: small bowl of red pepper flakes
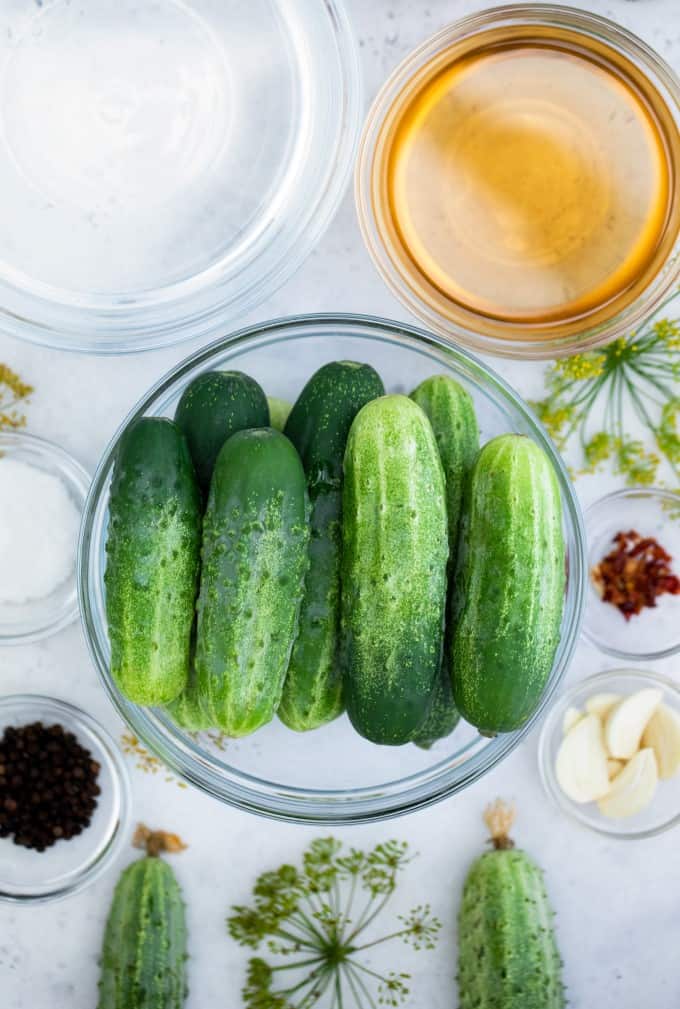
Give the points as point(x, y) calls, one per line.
point(633, 609)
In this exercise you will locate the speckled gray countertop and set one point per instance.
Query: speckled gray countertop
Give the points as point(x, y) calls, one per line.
point(618, 903)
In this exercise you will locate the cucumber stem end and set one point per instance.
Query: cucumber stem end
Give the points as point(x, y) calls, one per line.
point(153, 842)
point(499, 817)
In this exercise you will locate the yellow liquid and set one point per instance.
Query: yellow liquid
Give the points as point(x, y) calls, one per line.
point(530, 181)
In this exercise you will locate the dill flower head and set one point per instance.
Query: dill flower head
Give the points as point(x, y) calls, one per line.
point(592, 398)
point(318, 919)
point(668, 331)
point(581, 366)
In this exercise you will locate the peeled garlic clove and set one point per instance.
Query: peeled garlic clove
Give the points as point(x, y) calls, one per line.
point(662, 734)
point(602, 704)
point(571, 717)
point(633, 788)
point(626, 722)
point(581, 765)
point(614, 767)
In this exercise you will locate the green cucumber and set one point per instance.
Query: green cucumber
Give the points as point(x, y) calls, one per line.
point(255, 537)
point(313, 691)
point(508, 956)
point(321, 418)
point(152, 561)
point(214, 406)
point(395, 552)
point(143, 962)
point(186, 711)
point(279, 411)
point(442, 715)
point(318, 427)
point(451, 413)
point(508, 592)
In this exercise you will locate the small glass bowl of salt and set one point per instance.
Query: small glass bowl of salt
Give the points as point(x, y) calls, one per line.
point(42, 493)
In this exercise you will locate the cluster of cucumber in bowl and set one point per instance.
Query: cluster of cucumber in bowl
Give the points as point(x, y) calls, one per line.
point(369, 608)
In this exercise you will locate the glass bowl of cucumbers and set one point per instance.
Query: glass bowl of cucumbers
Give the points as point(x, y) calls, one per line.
point(282, 645)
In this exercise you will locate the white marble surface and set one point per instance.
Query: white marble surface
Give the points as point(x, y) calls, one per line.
point(618, 904)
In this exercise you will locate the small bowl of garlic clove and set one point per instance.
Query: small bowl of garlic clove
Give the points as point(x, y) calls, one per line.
point(609, 753)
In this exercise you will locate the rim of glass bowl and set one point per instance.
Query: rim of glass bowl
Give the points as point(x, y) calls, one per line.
point(377, 801)
point(606, 502)
point(552, 724)
point(41, 706)
point(78, 481)
point(397, 85)
point(202, 305)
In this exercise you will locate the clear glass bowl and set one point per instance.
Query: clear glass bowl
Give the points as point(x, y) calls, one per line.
point(28, 876)
point(382, 236)
point(166, 164)
point(664, 811)
point(39, 618)
point(655, 632)
point(331, 775)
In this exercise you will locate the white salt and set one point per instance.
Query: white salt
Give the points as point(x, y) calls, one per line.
point(38, 532)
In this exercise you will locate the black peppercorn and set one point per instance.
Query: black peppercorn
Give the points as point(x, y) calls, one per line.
point(48, 785)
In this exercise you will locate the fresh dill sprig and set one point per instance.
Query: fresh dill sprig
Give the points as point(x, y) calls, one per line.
point(13, 390)
point(314, 921)
point(595, 395)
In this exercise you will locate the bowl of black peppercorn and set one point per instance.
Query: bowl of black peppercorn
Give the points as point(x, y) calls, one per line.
point(64, 798)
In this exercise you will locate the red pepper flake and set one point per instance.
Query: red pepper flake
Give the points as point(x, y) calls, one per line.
point(635, 573)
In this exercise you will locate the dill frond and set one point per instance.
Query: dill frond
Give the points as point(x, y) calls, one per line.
point(317, 920)
point(592, 398)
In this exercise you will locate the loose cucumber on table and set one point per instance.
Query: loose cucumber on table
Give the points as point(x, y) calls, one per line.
point(451, 413)
point(318, 426)
point(508, 589)
point(255, 536)
point(214, 406)
point(143, 963)
point(508, 956)
point(395, 551)
point(152, 561)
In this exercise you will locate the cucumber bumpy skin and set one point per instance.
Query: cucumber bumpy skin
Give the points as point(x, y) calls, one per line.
point(508, 956)
point(508, 589)
point(255, 536)
point(143, 962)
point(318, 426)
point(214, 406)
point(451, 413)
point(395, 552)
point(152, 561)
point(186, 711)
point(442, 715)
point(313, 689)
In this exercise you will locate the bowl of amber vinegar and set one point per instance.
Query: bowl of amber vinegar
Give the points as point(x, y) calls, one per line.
point(517, 181)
